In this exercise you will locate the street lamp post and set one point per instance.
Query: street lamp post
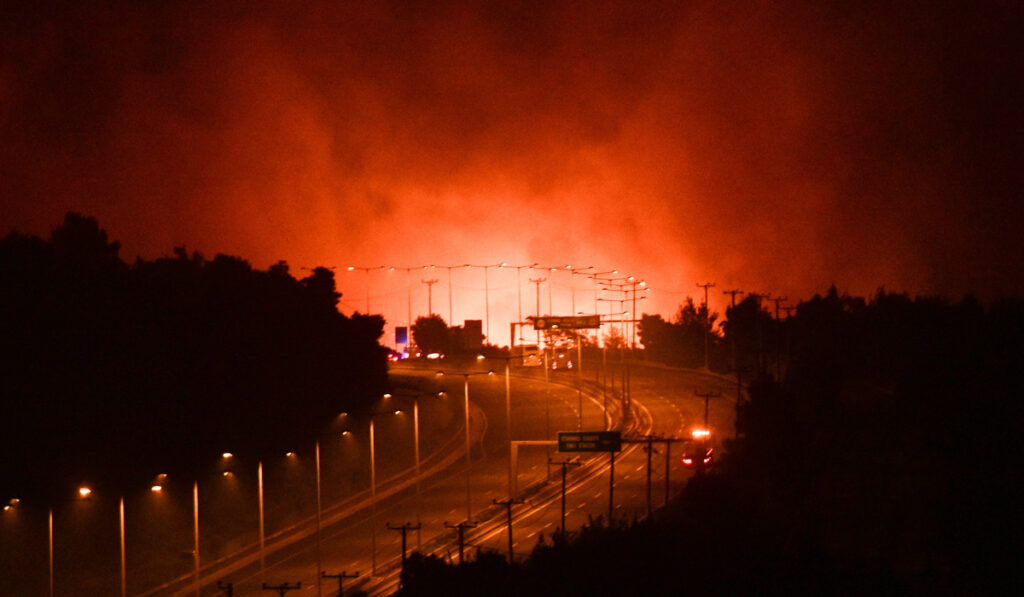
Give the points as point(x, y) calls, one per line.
point(465, 376)
point(519, 296)
point(124, 572)
point(487, 303)
point(259, 499)
point(195, 533)
point(319, 556)
point(416, 450)
point(367, 271)
point(373, 495)
point(508, 416)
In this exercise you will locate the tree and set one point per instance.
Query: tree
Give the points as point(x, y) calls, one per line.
point(431, 334)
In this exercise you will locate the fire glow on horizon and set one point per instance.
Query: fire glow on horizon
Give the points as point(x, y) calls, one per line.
point(777, 148)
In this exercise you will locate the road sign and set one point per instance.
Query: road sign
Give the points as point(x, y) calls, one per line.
point(568, 322)
point(589, 441)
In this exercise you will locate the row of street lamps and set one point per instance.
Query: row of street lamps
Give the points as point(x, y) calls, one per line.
point(158, 486)
point(604, 281)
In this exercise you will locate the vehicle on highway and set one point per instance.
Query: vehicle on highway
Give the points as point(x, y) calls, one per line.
point(530, 355)
point(698, 452)
point(561, 360)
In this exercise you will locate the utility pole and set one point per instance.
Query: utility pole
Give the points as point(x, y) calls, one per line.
point(282, 588)
point(508, 503)
point(707, 320)
point(565, 464)
point(341, 579)
point(735, 352)
point(430, 299)
point(404, 530)
point(649, 440)
point(789, 313)
point(538, 282)
point(757, 323)
point(778, 338)
point(668, 462)
point(611, 487)
point(705, 396)
point(461, 530)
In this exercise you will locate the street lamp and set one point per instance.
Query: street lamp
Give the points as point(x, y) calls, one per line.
point(416, 447)
point(487, 304)
point(508, 415)
point(367, 270)
point(373, 491)
point(465, 376)
point(519, 295)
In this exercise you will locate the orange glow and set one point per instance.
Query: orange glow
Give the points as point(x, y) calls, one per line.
point(300, 136)
point(701, 433)
point(156, 488)
point(84, 492)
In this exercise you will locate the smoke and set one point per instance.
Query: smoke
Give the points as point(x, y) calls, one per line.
point(775, 147)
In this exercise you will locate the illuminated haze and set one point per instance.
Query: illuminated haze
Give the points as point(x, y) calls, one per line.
point(770, 147)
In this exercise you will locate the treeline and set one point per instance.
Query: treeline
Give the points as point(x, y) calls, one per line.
point(893, 439)
point(112, 373)
point(886, 460)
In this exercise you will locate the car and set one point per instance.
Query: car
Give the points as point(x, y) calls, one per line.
point(561, 361)
point(698, 452)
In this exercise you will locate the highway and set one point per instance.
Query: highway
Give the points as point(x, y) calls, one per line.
point(355, 538)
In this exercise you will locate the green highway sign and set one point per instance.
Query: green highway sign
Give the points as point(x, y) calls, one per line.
point(589, 441)
point(568, 322)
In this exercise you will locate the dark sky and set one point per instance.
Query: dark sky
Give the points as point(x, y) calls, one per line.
point(769, 146)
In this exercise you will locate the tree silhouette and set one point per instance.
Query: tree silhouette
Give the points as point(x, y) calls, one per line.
point(431, 334)
point(153, 367)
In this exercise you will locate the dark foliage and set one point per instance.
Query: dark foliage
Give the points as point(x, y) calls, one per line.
point(886, 461)
point(113, 373)
point(681, 342)
point(431, 334)
point(894, 437)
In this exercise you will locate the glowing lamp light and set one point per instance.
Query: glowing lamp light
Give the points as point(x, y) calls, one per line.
point(290, 454)
point(84, 492)
point(351, 268)
point(226, 474)
point(7, 507)
point(701, 433)
point(480, 357)
point(226, 455)
point(387, 395)
point(156, 488)
point(343, 414)
point(346, 433)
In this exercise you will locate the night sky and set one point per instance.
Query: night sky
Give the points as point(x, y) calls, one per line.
point(768, 146)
